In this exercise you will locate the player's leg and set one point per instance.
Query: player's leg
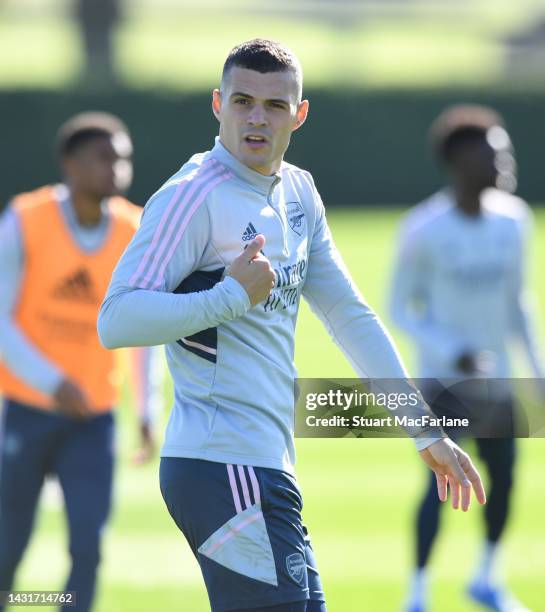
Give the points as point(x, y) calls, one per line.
point(316, 603)
point(427, 523)
point(499, 456)
point(244, 527)
point(85, 468)
point(297, 606)
point(426, 529)
point(24, 450)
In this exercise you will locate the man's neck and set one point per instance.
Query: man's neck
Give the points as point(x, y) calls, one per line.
point(86, 208)
point(468, 200)
point(268, 171)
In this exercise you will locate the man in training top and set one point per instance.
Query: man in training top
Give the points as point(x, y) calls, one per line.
point(225, 250)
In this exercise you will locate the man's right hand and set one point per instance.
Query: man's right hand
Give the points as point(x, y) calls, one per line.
point(253, 271)
point(71, 401)
point(480, 363)
point(466, 363)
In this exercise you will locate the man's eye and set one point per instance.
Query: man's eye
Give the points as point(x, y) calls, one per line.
point(278, 105)
point(242, 101)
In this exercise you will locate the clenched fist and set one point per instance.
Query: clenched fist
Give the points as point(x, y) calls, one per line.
point(253, 271)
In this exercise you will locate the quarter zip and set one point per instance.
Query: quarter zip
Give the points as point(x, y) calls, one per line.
point(281, 217)
point(262, 184)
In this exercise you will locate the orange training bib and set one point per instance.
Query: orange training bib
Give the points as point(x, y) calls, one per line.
point(61, 291)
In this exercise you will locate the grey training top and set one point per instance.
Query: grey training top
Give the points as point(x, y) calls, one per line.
point(459, 284)
point(233, 365)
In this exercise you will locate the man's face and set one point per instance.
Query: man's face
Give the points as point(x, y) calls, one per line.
point(101, 167)
point(487, 161)
point(257, 114)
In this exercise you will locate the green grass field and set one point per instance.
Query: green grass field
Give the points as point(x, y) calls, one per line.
point(359, 494)
point(161, 43)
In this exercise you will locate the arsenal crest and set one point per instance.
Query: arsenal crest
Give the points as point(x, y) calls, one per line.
point(296, 566)
point(296, 216)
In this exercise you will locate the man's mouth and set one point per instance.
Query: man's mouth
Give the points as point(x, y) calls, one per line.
point(255, 140)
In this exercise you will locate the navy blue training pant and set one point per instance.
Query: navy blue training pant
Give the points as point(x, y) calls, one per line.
point(33, 444)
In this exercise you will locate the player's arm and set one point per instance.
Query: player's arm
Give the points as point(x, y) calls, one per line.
point(140, 308)
point(353, 325)
point(520, 301)
point(409, 297)
point(357, 330)
point(146, 378)
point(18, 353)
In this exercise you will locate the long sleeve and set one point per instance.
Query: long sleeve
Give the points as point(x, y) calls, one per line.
point(140, 308)
point(17, 352)
point(408, 303)
point(334, 298)
point(146, 375)
point(521, 302)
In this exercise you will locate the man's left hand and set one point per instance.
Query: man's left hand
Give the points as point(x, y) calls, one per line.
point(453, 467)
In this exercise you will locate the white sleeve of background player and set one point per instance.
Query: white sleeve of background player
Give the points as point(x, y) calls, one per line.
point(522, 301)
point(140, 308)
point(147, 378)
point(16, 351)
point(355, 328)
point(408, 303)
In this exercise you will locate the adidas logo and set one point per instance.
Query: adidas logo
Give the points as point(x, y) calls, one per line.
point(76, 287)
point(249, 233)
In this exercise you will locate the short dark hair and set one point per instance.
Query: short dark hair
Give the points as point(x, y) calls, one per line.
point(80, 129)
point(263, 55)
point(459, 125)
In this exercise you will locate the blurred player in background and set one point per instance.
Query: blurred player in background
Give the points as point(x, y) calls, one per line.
point(458, 291)
point(58, 247)
point(216, 270)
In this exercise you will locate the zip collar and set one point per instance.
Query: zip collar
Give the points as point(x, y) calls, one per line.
point(260, 182)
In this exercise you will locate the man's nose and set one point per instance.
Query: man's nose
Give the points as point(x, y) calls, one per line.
point(257, 115)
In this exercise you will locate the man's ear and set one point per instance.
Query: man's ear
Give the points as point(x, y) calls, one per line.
point(67, 164)
point(302, 112)
point(216, 103)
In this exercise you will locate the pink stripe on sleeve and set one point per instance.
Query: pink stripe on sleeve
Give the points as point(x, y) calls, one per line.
point(181, 207)
point(150, 251)
point(220, 179)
